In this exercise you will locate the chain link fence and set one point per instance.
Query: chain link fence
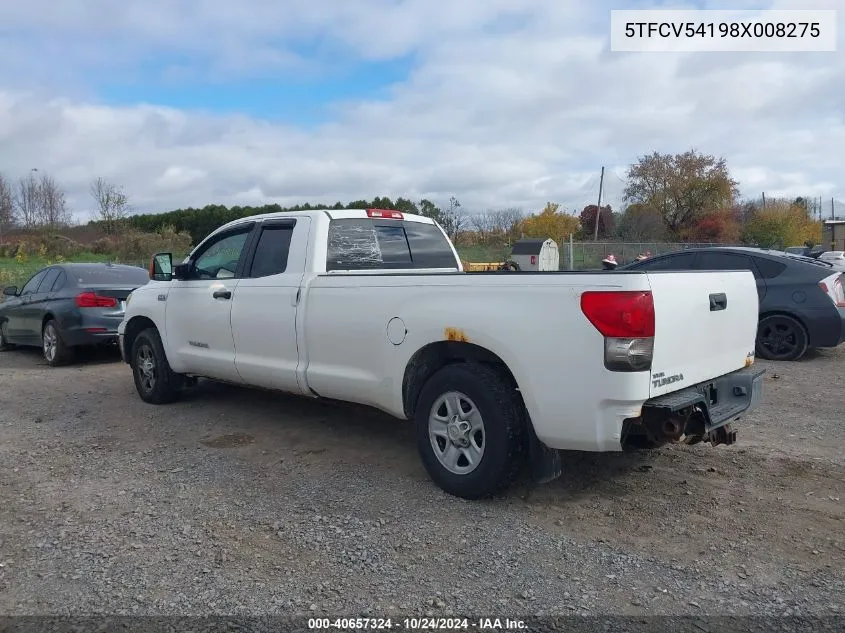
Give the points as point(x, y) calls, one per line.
point(588, 255)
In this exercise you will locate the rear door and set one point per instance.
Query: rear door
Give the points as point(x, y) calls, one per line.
point(705, 326)
point(36, 307)
point(265, 305)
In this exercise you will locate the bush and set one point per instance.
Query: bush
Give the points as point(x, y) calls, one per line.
point(43, 246)
point(134, 245)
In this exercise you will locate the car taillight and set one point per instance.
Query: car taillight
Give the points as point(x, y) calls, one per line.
point(626, 320)
point(832, 287)
point(385, 214)
point(93, 300)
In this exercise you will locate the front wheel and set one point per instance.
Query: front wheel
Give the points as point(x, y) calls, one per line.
point(5, 345)
point(471, 430)
point(155, 382)
point(780, 337)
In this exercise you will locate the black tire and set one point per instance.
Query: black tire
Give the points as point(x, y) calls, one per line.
point(781, 337)
point(5, 345)
point(155, 382)
point(53, 347)
point(504, 430)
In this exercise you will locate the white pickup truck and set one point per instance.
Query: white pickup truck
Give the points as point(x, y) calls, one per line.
point(498, 370)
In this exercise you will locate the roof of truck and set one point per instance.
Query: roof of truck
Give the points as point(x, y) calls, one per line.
point(334, 214)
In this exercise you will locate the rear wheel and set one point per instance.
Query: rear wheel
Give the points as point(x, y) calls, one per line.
point(55, 350)
point(155, 382)
point(471, 430)
point(4, 340)
point(780, 337)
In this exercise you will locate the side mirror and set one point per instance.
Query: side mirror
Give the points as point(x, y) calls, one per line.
point(161, 267)
point(10, 291)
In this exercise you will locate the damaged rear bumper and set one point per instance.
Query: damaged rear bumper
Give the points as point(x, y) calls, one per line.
point(702, 412)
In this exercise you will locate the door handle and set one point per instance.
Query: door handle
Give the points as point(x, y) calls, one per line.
point(222, 294)
point(718, 301)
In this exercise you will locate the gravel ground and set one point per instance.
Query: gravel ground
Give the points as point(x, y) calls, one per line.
point(236, 501)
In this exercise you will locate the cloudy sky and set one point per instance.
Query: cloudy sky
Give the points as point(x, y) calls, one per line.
point(497, 102)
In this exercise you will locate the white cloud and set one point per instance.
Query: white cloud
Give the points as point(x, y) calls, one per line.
point(511, 103)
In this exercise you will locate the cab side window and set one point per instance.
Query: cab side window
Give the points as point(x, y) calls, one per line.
point(271, 252)
point(681, 261)
point(219, 257)
point(726, 261)
point(47, 282)
point(32, 285)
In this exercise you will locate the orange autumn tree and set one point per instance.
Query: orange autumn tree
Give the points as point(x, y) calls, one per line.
point(719, 227)
point(550, 222)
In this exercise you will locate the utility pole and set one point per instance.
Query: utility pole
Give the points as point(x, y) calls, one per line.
point(831, 209)
point(598, 206)
point(764, 200)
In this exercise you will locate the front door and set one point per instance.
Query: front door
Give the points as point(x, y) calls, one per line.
point(198, 314)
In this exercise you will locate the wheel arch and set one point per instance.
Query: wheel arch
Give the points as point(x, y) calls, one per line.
point(790, 315)
point(134, 327)
point(432, 357)
point(784, 313)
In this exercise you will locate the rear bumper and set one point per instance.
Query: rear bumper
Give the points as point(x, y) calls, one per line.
point(721, 400)
point(826, 328)
point(703, 412)
point(95, 335)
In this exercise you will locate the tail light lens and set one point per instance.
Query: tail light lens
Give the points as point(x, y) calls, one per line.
point(93, 300)
point(832, 287)
point(626, 320)
point(385, 214)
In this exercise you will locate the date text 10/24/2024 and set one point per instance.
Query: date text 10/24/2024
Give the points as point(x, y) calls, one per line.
point(668, 30)
point(417, 624)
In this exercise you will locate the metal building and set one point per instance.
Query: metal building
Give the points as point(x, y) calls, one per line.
point(833, 235)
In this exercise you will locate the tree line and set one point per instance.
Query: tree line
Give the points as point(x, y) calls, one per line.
point(686, 197)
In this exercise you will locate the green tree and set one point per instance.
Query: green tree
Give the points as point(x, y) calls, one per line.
point(681, 188)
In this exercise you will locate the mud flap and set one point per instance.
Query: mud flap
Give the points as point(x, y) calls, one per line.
point(546, 464)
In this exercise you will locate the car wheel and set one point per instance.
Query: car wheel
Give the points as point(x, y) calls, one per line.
point(55, 350)
point(471, 430)
point(780, 337)
point(4, 340)
point(155, 382)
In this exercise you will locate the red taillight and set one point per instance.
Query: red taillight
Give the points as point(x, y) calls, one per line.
point(385, 214)
point(835, 290)
point(93, 300)
point(620, 314)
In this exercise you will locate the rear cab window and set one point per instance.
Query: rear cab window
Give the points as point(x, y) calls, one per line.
point(374, 244)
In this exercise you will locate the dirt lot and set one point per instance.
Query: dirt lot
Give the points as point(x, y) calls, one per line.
point(238, 501)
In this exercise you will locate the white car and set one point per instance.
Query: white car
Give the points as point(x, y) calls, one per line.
point(836, 258)
point(497, 369)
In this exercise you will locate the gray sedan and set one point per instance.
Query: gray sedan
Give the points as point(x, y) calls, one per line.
point(66, 306)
